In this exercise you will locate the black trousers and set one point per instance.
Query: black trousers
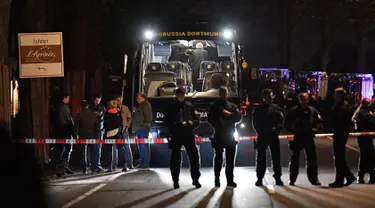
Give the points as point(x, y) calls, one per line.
point(61, 154)
point(307, 143)
point(230, 154)
point(86, 151)
point(262, 144)
point(339, 152)
point(192, 152)
point(367, 156)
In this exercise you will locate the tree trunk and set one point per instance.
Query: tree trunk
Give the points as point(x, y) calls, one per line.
point(37, 95)
point(4, 70)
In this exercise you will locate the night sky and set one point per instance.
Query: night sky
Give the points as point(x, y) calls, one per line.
point(258, 26)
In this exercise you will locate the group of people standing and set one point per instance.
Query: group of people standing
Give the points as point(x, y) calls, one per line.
point(98, 122)
point(303, 120)
point(182, 118)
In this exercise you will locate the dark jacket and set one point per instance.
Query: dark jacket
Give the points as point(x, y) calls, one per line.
point(197, 56)
point(302, 121)
point(143, 117)
point(64, 122)
point(100, 110)
point(268, 119)
point(87, 123)
point(342, 118)
point(112, 120)
point(364, 121)
point(178, 113)
point(224, 125)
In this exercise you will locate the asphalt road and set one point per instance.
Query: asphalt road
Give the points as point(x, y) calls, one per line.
point(153, 188)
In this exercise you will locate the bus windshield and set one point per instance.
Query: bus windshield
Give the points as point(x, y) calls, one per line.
point(201, 67)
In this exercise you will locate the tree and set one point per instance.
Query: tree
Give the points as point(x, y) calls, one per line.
point(362, 16)
point(331, 16)
point(4, 71)
point(291, 14)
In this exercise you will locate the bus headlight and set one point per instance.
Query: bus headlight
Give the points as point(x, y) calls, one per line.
point(228, 34)
point(149, 35)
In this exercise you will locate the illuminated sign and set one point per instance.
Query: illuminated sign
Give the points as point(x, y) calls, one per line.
point(244, 65)
point(203, 114)
point(190, 34)
point(159, 115)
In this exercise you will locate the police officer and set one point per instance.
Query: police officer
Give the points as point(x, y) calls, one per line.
point(268, 121)
point(223, 116)
point(181, 119)
point(302, 120)
point(341, 123)
point(364, 121)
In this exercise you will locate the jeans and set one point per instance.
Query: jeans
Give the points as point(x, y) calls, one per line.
point(125, 151)
point(114, 160)
point(144, 149)
point(98, 151)
point(128, 152)
point(87, 153)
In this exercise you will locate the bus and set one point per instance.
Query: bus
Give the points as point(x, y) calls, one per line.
point(164, 62)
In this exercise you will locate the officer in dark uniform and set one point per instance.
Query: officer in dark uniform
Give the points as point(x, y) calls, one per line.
point(181, 119)
point(341, 123)
point(223, 116)
point(364, 121)
point(302, 120)
point(268, 122)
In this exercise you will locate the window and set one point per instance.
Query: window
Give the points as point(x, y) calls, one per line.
point(199, 66)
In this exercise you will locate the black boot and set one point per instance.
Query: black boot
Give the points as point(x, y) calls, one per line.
point(360, 179)
point(176, 185)
point(259, 182)
point(197, 184)
point(279, 182)
point(350, 179)
point(68, 170)
point(217, 181)
point(231, 184)
point(314, 181)
point(337, 184)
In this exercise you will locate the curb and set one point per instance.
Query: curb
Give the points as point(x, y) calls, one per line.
point(83, 177)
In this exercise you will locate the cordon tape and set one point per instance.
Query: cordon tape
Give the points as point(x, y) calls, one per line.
point(156, 140)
